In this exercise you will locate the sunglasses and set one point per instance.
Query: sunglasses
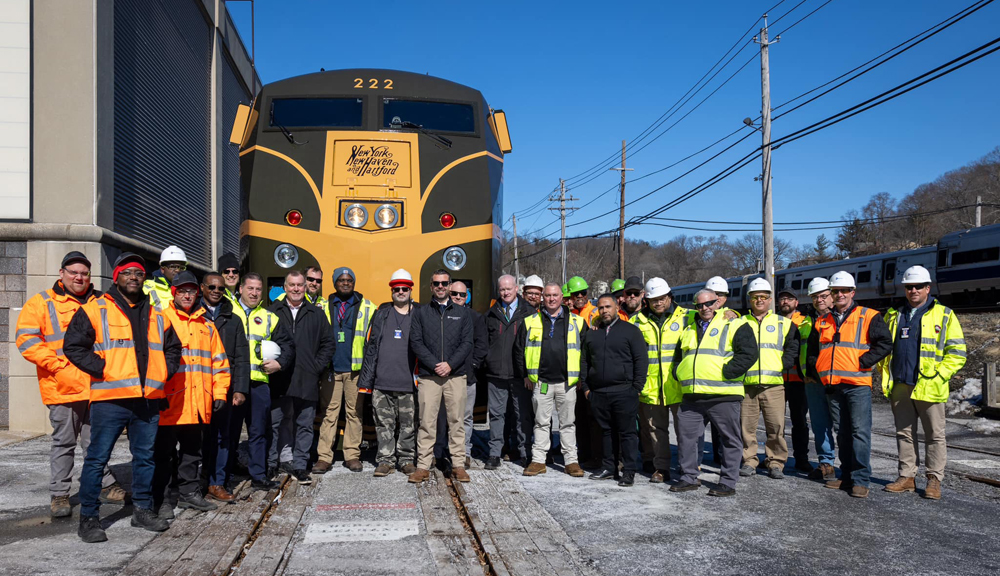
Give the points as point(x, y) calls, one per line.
point(316, 280)
point(400, 288)
point(459, 294)
point(836, 291)
point(916, 287)
point(760, 298)
point(214, 288)
point(439, 284)
point(633, 294)
point(230, 271)
point(708, 304)
point(580, 293)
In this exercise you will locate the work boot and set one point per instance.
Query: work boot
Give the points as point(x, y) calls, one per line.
point(534, 469)
point(407, 469)
point(492, 463)
point(322, 467)
point(459, 473)
point(221, 494)
point(829, 472)
point(933, 490)
point(574, 470)
point(60, 507)
point(627, 479)
point(142, 518)
point(775, 472)
point(683, 486)
point(859, 492)
point(354, 465)
point(722, 491)
point(166, 511)
point(90, 530)
point(303, 477)
point(902, 484)
point(113, 494)
point(834, 484)
point(195, 501)
point(660, 476)
point(419, 475)
point(383, 469)
point(747, 470)
point(263, 484)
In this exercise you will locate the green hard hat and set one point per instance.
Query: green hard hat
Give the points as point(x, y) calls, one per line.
point(565, 291)
point(576, 284)
point(617, 285)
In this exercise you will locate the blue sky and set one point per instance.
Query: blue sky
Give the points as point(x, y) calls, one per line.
point(577, 78)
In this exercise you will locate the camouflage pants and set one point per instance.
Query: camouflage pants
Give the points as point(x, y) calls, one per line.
point(388, 408)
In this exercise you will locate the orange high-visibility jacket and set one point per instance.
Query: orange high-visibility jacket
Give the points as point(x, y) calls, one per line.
point(203, 375)
point(40, 330)
point(113, 342)
point(587, 313)
point(840, 350)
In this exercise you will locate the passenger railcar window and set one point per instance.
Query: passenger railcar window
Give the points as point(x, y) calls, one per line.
point(973, 256)
point(317, 112)
point(865, 276)
point(796, 284)
point(436, 116)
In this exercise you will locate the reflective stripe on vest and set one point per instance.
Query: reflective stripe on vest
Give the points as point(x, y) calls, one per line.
point(940, 356)
point(365, 314)
point(700, 368)
point(838, 361)
point(770, 334)
point(121, 369)
point(535, 327)
point(661, 388)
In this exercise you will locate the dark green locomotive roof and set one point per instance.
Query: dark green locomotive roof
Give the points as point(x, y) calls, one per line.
point(343, 82)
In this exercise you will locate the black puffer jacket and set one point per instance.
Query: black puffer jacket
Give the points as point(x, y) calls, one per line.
point(234, 340)
point(502, 333)
point(438, 335)
point(314, 346)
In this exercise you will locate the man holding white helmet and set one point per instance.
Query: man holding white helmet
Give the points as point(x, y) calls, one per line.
point(776, 346)
point(928, 349)
point(843, 348)
point(157, 286)
point(661, 323)
point(532, 291)
point(824, 413)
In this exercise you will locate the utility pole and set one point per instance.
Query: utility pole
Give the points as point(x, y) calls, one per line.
point(562, 198)
point(517, 267)
point(621, 216)
point(765, 112)
point(979, 211)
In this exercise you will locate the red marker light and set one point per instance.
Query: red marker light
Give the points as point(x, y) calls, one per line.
point(293, 217)
point(447, 220)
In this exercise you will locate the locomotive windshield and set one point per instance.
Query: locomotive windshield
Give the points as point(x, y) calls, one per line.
point(436, 116)
point(317, 112)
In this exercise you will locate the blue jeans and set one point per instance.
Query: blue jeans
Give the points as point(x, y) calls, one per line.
point(823, 421)
point(215, 452)
point(107, 421)
point(256, 412)
point(855, 433)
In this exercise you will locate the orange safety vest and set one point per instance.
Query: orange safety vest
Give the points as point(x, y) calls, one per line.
point(113, 343)
point(586, 313)
point(841, 349)
point(203, 375)
point(39, 337)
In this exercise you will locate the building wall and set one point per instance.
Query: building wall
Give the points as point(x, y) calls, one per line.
point(15, 110)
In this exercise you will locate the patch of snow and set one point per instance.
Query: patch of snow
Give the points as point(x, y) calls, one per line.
point(984, 426)
point(965, 399)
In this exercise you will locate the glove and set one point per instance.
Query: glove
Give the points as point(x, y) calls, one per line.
point(164, 404)
point(218, 405)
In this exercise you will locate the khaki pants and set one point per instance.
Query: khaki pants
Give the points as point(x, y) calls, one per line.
point(335, 389)
point(430, 391)
point(931, 415)
point(769, 400)
point(654, 434)
point(562, 399)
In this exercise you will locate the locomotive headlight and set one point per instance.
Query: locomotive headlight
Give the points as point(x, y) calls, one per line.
point(454, 258)
point(356, 216)
point(286, 255)
point(386, 216)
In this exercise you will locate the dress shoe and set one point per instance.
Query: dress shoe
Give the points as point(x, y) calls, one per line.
point(902, 484)
point(419, 475)
point(322, 467)
point(492, 463)
point(627, 479)
point(933, 490)
point(303, 477)
point(574, 470)
point(459, 473)
point(660, 476)
point(604, 474)
point(534, 469)
point(685, 486)
point(722, 491)
point(221, 494)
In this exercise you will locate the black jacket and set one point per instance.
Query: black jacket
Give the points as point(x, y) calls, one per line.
point(367, 377)
point(78, 343)
point(480, 347)
point(234, 340)
point(614, 359)
point(502, 333)
point(314, 346)
point(879, 344)
point(441, 336)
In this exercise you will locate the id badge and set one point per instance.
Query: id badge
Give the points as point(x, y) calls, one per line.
point(398, 334)
point(340, 336)
point(544, 388)
point(904, 332)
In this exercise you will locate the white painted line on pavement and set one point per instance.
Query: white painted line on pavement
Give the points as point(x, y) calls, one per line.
point(982, 464)
point(361, 531)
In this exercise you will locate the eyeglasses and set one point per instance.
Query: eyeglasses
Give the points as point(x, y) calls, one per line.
point(84, 274)
point(459, 294)
point(175, 267)
point(140, 274)
point(231, 271)
point(187, 292)
point(760, 298)
point(708, 304)
point(315, 280)
point(836, 291)
point(400, 288)
point(439, 284)
point(214, 288)
point(633, 294)
point(916, 287)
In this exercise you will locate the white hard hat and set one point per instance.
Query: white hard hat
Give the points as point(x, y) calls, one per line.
point(759, 285)
point(817, 285)
point(172, 254)
point(656, 287)
point(269, 350)
point(717, 284)
point(401, 278)
point(916, 275)
point(534, 281)
point(842, 280)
